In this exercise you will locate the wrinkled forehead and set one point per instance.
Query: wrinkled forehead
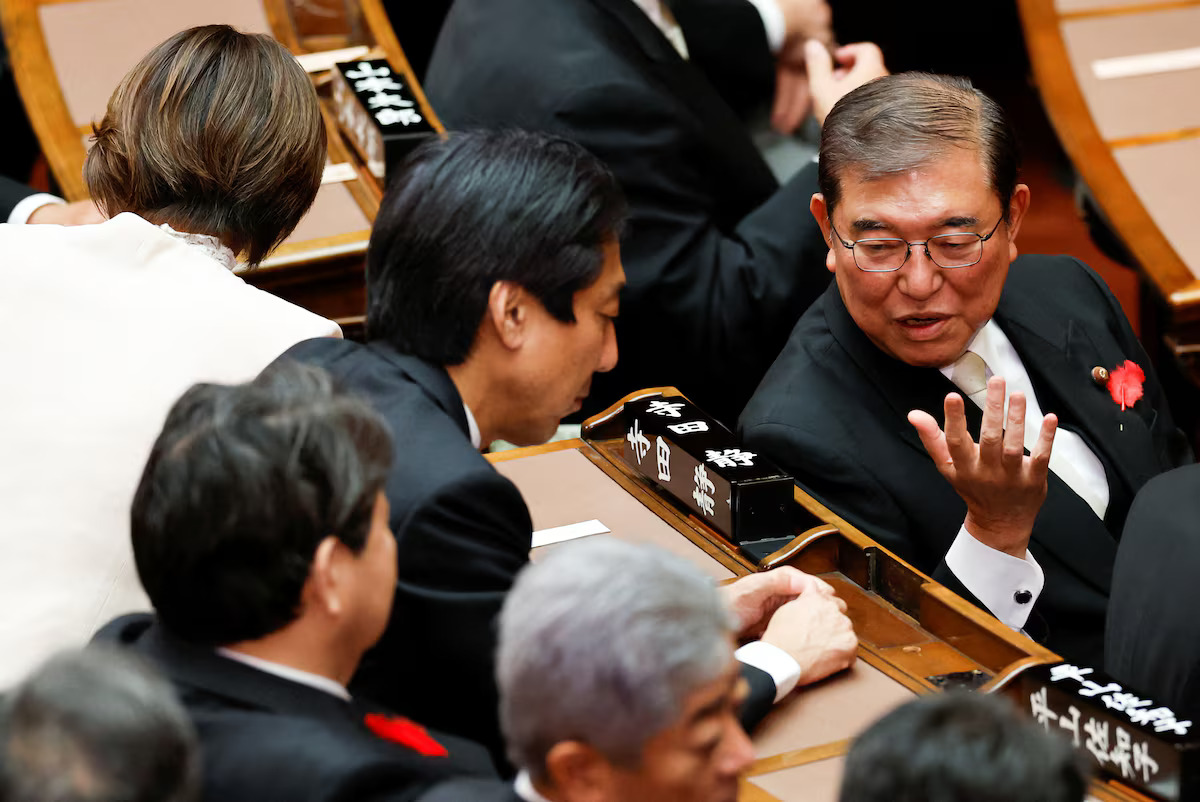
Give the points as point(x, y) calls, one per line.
point(964, 170)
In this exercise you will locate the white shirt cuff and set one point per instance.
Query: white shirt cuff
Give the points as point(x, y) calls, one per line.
point(782, 667)
point(773, 22)
point(27, 206)
point(1006, 585)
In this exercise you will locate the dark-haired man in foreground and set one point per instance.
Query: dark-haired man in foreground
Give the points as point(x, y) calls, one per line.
point(494, 276)
point(260, 534)
point(921, 206)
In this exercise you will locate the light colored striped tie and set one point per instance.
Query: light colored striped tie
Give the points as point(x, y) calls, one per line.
point(970, 376)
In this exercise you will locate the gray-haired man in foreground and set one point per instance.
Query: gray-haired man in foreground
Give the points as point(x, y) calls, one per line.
point(617, 682)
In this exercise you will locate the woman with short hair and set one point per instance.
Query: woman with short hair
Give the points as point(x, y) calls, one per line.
point(212, 146)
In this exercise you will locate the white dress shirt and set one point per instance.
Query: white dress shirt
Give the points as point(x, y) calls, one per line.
point(523, 785)
point(324, 684)
point(25, 207)
point(997, 579)
point(768, 10)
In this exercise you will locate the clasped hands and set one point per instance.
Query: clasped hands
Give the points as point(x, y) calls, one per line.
point(798, 613)
point(808, 75)
point(1002, 486)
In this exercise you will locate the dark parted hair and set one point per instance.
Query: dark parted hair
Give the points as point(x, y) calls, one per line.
point(476, 208)
point(961, 747)
point(897, 123)
point(96, 726)
point(242, 485)
point(213, 132)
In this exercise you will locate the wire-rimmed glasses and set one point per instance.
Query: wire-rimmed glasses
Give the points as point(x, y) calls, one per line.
point(888, 254)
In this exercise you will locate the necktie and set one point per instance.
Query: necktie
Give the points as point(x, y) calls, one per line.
point(970, 376)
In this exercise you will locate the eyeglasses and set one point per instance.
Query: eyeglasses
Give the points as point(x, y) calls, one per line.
point(888, 254)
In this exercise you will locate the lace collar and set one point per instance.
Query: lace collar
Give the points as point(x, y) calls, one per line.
point(209, 245)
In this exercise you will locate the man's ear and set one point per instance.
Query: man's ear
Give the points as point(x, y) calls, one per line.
point(508, 313)
point(578, 772)
point(325, 582)
point(1016, 213)
point(821, 213)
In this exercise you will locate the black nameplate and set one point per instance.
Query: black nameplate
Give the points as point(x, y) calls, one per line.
point(378, 113)
point(1127, 736)
point(698, 461)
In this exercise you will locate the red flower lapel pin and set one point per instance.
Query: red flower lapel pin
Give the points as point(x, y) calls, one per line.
point(406, 733)
point(1125, 384)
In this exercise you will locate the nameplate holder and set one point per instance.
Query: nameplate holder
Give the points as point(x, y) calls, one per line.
point(378, 113)
point(1125, 735)
point(701, 464)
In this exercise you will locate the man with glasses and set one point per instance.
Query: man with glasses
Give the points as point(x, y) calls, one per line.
point(921, 207)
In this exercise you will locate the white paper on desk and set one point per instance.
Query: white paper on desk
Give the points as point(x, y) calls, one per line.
point(336, 173)
point(324, 60)
point(557, 534)
point(1147, 63)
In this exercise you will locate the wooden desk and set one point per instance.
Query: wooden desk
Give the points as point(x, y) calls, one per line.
point(915, 636)
point(1134, 140)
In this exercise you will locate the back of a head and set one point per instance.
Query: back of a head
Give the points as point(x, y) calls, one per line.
point(213, 132)
point(242, 485)
point(961, 747)
point(901, 122)
point(476, 208)
point(96, 726)
point(621, 633)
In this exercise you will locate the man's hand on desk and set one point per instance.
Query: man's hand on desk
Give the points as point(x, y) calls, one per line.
point(797, 613)
point(813, 628)
point(1002, 486)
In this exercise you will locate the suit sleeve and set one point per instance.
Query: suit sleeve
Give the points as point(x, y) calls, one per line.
point(720, 301)
point(458, 554)
point(760, 699)
point(11, 193)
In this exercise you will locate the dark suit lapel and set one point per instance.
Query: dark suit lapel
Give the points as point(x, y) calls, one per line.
point(434, 380)
point(1063, 525)
point(714, 120)
point(1059, 356)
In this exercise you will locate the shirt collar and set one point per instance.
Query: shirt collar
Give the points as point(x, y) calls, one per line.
point(983, 344)
point(656, 11)
point(473, 429)
point(524, 788)
point(288, 673)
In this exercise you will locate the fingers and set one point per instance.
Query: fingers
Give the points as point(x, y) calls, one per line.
point(818, 63)
point(991, 431)
point(931, 436)
point(1014, 433)
point(792, 100)
point(863, 60)
point(1040, 455)
point(958, 440)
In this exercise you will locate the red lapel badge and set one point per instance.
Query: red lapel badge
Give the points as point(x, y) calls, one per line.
point(1125, 384)
point(405, 732)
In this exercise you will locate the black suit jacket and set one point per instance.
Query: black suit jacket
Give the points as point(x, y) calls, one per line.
point(267, 738)
point(721, 261)
point(1152, 640)
point(473, 791)
point(462, 532)
point(11, 193)
point(832, 410)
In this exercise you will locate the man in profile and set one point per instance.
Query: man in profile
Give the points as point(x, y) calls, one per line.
point(96, 726)
point(920, 206)
point(721, 263)
point(638, 648)
point(493, 279)
point(260, 534)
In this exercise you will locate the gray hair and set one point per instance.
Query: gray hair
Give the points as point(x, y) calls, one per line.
point(96, 726)
point(902, 122)
point(602, 641)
